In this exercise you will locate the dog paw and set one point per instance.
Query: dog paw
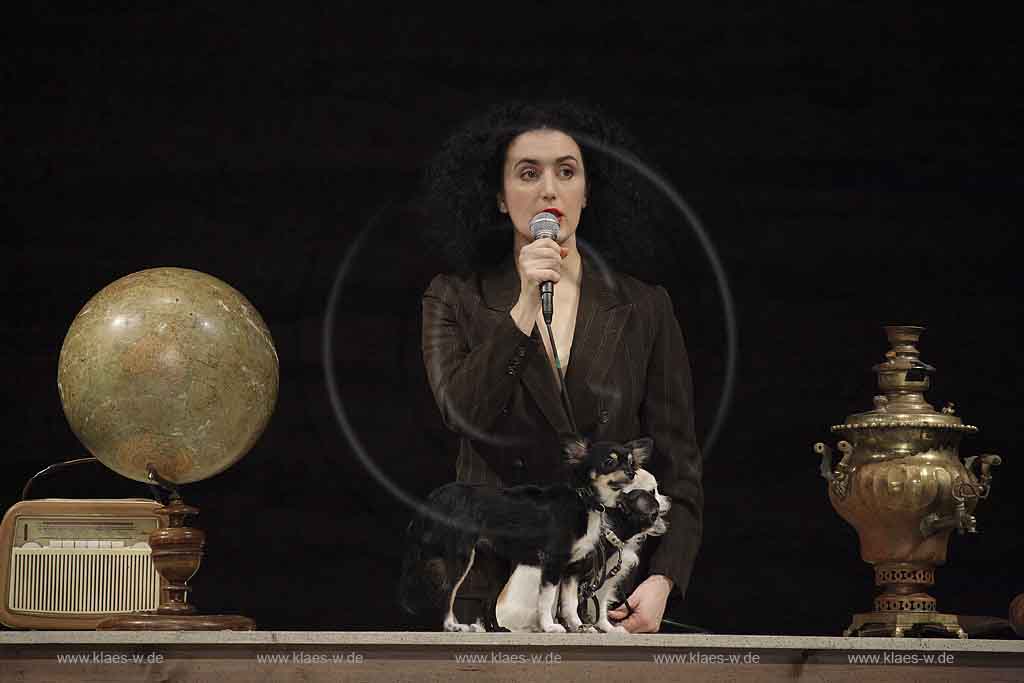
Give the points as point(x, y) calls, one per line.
point(587, 628)
point(452, 627)
point(554, 628)
point(573, 625)
point(477, 628)
point(608, 627)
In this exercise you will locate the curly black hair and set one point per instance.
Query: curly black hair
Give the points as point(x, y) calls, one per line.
point(461, 182)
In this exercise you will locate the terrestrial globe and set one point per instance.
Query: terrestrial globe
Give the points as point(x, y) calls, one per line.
point(172, 367)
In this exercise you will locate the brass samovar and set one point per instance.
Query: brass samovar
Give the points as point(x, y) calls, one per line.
point(902, 486)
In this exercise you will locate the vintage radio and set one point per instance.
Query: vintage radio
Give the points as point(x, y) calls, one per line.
point(70, 564)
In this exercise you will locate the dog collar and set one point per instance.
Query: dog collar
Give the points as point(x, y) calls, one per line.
point(589, 499)
point(612, 538)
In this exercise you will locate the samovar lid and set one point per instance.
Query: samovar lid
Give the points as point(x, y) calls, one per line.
point(903, 378)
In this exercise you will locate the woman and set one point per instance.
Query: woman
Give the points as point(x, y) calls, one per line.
point(487, 354)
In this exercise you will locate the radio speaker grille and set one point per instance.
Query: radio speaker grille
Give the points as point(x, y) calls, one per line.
point(83, 580)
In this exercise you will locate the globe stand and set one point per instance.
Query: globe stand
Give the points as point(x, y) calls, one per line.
point(177, 551)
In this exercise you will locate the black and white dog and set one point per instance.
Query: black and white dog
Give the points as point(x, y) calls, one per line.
point(547, 527)
point(640, 513)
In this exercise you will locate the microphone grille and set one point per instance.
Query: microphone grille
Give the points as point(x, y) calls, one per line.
point(544, 224)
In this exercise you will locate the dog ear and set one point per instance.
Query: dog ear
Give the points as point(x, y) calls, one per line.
point(641, 450)
point(575, 450)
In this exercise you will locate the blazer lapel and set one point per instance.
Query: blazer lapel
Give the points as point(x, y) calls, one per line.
point(600, 320)
point(501, 291)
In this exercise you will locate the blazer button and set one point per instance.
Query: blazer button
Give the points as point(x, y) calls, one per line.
point(511, 370)
point(505, 410)
point(521, 352)
point(519, 464)
point(603, 417)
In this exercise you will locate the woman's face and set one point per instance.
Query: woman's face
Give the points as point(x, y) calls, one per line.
point(543, 171)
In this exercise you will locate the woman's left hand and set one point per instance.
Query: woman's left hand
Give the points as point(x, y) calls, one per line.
point(647, 603)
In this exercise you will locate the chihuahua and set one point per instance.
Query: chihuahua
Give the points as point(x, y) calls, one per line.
point(547, 527)
point(640, 513)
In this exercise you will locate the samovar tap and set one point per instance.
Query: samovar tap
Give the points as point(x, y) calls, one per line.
point(961, 520)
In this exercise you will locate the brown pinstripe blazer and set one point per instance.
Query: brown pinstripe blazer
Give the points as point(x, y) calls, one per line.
point(628, 376)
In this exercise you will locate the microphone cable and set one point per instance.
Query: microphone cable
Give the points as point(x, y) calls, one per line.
point(545, 224)
point(566, 404)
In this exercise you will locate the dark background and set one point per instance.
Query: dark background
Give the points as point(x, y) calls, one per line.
point(855, 166)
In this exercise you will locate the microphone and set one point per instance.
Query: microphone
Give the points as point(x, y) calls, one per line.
point(545, 224)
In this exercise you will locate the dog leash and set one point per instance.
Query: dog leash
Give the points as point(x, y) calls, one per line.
point(600, 574)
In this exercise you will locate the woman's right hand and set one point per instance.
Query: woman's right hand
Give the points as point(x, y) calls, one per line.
point(540, 261)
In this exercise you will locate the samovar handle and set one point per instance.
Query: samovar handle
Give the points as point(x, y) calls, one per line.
point(977, 488)
point(838, 478)
point(982, 479)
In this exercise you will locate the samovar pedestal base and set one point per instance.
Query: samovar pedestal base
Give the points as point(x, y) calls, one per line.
point(904, 608)
point(903, 624)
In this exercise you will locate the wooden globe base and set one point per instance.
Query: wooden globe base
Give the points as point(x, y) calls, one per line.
point(169, 622)
point(177, 551)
